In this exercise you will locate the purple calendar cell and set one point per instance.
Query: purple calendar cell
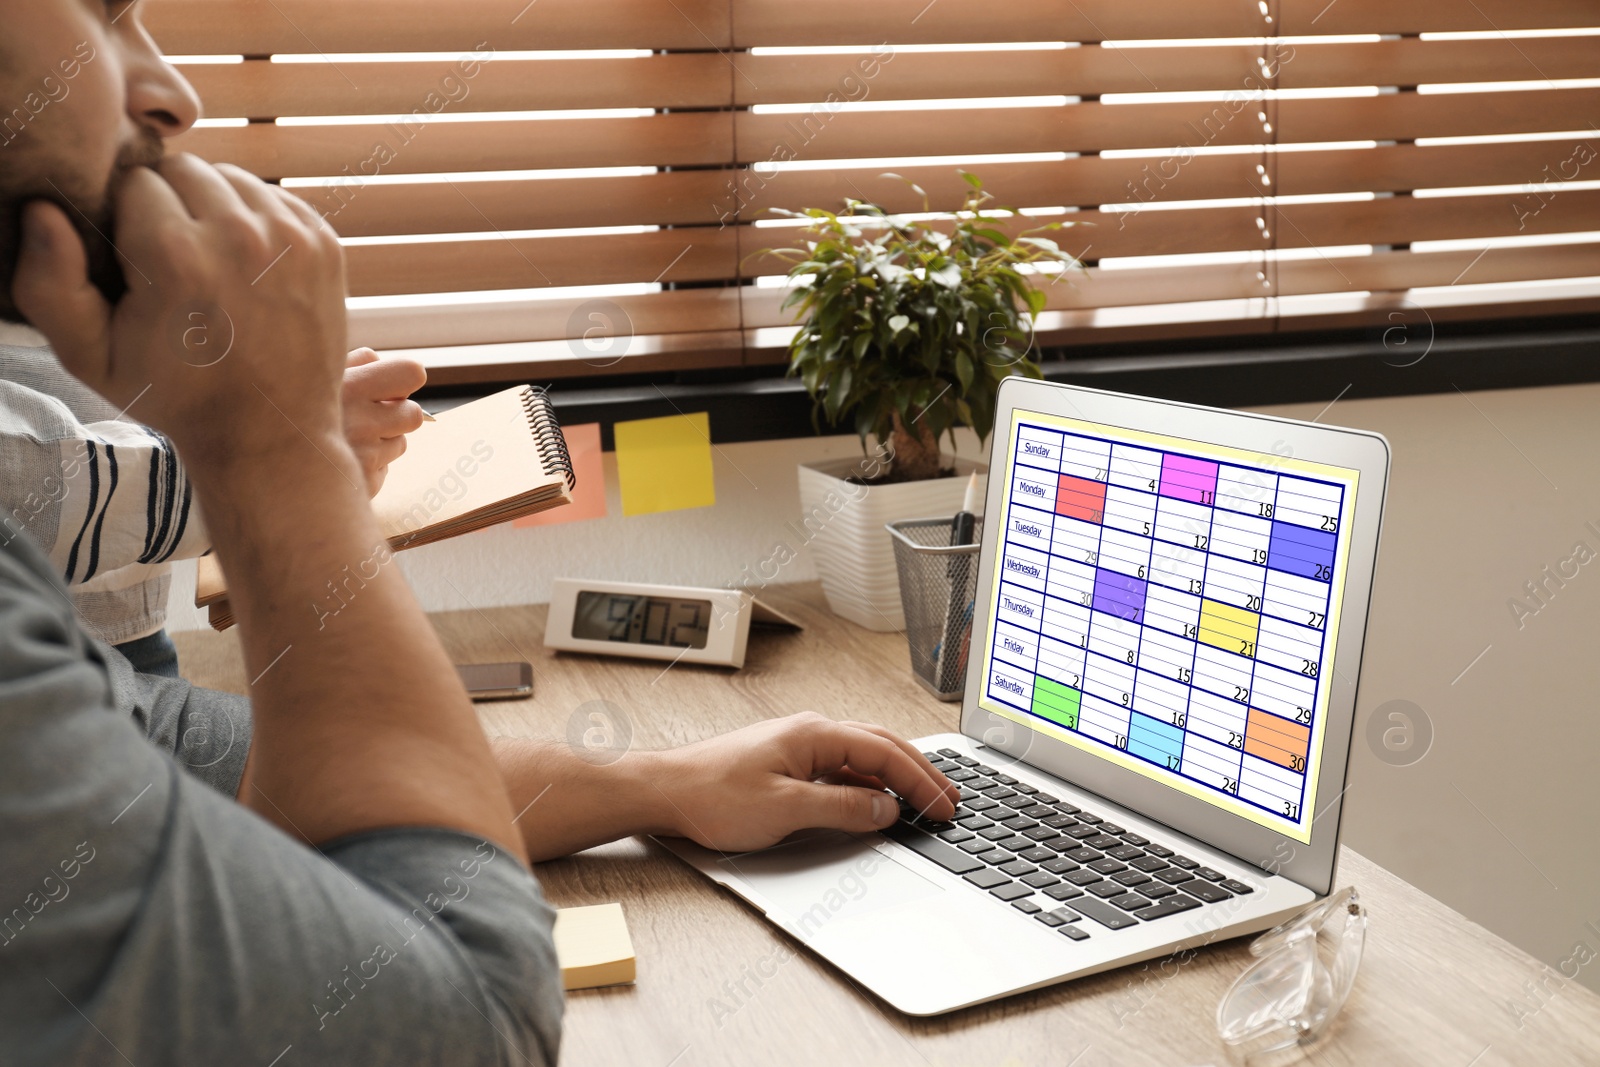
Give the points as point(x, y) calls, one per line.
point(1119, 595)
point(1194, 480)
point(1297, 550)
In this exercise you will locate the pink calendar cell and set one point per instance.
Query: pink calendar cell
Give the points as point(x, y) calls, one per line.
point(1194, 480)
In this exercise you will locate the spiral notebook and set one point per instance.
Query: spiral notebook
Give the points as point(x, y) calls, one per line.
point(476, 465)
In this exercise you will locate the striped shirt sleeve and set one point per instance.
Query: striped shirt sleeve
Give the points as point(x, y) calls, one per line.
point(98, 496)
point(99, 492)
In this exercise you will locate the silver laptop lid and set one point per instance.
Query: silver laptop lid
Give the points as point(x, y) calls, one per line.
point(1170, 609)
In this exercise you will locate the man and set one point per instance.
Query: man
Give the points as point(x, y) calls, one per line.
point(366, 899)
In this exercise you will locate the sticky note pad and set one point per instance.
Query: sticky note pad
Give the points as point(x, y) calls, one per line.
point(589, 498)
point(665, 464)
point(593, 947)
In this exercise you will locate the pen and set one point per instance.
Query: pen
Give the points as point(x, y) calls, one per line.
point(964, 522)
point(426, 417)
point(962, 528)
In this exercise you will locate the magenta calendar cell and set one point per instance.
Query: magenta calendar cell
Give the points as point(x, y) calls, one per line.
point(1184, 478)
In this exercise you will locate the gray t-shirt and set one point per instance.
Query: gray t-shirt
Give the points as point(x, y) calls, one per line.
point(146, 917)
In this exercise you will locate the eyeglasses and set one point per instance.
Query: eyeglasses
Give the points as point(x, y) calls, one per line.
point(1300, 980)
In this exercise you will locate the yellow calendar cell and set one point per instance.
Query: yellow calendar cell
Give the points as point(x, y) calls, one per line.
point(1227, 627)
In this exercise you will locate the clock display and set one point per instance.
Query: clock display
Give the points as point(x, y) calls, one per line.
point(641, 620)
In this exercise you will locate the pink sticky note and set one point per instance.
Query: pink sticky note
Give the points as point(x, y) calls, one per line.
point(589, 498)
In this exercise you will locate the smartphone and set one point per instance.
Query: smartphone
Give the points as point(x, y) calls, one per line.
point(496, 681)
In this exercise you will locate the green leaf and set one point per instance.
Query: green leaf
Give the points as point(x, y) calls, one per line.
point(965, 371)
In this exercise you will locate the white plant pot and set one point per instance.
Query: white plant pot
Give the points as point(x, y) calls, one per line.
point(844, 522)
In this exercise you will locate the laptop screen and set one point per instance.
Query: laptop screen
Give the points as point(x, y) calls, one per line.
point(1171, 606)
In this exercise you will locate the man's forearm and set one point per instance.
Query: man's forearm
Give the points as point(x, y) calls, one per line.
point(566, 804)
point(361, 722)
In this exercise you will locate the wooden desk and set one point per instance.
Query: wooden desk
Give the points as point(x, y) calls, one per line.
point(717, 985)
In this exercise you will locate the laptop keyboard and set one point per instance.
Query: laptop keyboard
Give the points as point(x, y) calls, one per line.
point(1054, 860)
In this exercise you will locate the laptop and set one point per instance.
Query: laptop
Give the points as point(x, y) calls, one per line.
point(1161, 685)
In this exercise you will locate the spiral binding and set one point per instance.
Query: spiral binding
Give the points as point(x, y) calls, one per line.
point(547, 434)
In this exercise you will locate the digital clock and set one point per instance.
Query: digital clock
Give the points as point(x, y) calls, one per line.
point(662, 622)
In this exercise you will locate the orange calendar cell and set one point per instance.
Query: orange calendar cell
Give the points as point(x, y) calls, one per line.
point(1276, 739)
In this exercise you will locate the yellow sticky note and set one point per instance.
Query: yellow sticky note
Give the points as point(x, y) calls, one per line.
point(665, 464)
point(593, 947)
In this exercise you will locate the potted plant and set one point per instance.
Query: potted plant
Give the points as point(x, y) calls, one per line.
point(907, 327)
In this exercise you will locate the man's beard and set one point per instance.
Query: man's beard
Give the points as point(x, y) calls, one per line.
point(91, 213)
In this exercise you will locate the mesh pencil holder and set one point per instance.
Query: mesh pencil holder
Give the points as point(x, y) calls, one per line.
point(937, 582)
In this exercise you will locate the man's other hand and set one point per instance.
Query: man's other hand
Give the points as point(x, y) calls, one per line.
point(377, 415)
point(753, 787)
point(231, 336)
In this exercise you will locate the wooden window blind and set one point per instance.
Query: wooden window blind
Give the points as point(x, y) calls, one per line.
point(604, 166)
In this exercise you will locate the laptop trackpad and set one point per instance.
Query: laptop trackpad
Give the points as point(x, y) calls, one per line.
point(843, 876)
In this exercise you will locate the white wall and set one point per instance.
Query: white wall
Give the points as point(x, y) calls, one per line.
point(757, 493)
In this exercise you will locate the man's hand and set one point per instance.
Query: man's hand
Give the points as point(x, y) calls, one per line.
point(232, 334)
point(744, 790)
point(755, 786)
point(377, 415)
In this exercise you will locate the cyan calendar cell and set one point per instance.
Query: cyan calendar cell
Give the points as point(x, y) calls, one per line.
point(1159, 742)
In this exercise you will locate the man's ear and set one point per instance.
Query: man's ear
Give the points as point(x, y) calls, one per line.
point(51, 288)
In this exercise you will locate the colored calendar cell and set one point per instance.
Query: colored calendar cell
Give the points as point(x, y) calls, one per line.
point(1308, 553)
point(1056, 702)
point(1229, 628)
point(1118, 595)
point(1194, 480)
point(1159, 742)
point(1170, 606)
point(1080, 498)
point(1276, 740)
